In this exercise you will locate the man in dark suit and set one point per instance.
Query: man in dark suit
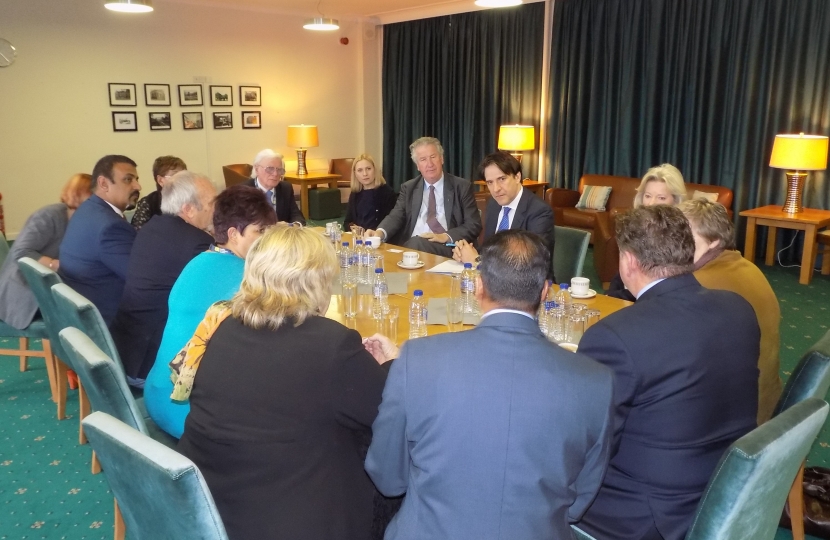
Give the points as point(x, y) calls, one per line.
point(686, 385)
point(266, 176)
point(162, 248)
point(510, 207)
point(95, 251)
point(433, 209)
point(494, 432)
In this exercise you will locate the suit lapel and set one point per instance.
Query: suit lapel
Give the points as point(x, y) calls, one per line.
point(521, 210)
point(493, 209)
point(417, 198)
point(449, 198)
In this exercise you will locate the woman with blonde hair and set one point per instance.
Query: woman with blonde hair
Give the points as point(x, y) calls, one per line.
point(284, 400)
point(371, 199)
point(40, 240)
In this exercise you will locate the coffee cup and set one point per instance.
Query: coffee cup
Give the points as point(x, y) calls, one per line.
point(579, 285)
point(569, 346)
point(373, 241)
point(410, 258)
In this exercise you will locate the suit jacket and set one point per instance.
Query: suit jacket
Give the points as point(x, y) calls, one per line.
point(532, 214)
point(686, 388)
point(493, 433)
point(95, 253)
point(41, 236)
point(463, 220)
point(162, 249)
point(287, 209)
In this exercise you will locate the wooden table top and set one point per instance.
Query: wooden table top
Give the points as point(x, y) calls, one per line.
point(315, 176)
point(433, 285)
point(772, 211)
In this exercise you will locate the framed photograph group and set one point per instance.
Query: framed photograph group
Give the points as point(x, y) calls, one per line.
point(190, 95)
point(192, 120)
point(157, 95)
point(222, 120)
point(122, 95)
point(124, 121)
point(250, 96)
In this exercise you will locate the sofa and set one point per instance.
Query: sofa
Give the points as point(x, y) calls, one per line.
point(600, 223)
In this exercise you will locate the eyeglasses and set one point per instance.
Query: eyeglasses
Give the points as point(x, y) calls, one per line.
point(273, 170)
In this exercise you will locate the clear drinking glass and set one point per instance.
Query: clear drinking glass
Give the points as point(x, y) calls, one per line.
point(455, 315)
point(576, 326)
point(349, 299)
point(390, 324)
point(591, 317)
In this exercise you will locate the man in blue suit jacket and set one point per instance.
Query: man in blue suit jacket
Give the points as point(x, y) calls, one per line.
point(96, 248)
point(493, 433)
point(686, 386)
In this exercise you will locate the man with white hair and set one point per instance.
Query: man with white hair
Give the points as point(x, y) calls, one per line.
point(162, 249)
point(266, 176)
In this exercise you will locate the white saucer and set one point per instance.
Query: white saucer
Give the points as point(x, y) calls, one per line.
point(590, 294)
point(419, 265)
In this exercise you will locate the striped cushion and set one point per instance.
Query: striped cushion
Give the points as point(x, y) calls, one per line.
point(594, 197)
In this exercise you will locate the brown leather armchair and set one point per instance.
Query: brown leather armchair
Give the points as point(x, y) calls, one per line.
point(343, 167)
point(236, 173)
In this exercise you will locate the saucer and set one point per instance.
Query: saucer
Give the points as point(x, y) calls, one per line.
point(419, 265)
point(590, 294)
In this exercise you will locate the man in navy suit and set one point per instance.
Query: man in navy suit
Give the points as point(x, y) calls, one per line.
point(266, 176)
point(493, 433)
point(686, 381)
point(96, 248)
point(510, 207)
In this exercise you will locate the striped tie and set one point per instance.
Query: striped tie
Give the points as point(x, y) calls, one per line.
point(432, 219)
point(505, 220)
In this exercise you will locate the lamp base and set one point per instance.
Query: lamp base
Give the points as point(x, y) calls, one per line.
point(517, 155)
point(795, 186)
point(301, 170)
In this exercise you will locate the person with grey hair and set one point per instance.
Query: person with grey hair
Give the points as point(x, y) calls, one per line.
point(266, 176)
point(686, 381)
point(434, 209)
point(162, 248)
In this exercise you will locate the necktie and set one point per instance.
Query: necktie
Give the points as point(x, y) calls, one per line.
point(505, 220)
point(272, 198)
point(434, 225)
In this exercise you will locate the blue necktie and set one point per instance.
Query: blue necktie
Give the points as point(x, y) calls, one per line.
point(505, 220)
point(272, 198)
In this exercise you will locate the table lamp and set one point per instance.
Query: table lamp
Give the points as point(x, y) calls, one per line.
point(302, 137)
point(798, 154)
point(517, 138)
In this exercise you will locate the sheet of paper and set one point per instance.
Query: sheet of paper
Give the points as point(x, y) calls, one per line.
point(390, 250)
point(447, 267)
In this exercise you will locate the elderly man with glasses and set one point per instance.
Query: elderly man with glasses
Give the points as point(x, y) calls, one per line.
point(267, 177)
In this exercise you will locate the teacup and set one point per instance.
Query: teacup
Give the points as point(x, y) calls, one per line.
point(569, 346)
point(410, 258)
point(580, 285)
point(373, 241)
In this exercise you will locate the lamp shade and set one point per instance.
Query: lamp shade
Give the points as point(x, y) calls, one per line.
point(302, 136)
point(799, 152)
point(517, 137)
point(129, 6)
point(322, 23)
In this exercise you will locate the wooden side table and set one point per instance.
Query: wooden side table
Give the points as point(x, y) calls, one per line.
point(810, 221)
point(310, 179)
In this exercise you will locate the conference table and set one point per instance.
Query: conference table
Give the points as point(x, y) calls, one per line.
point(434, 286)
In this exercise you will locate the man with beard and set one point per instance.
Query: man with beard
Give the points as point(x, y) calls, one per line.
point(95, 251)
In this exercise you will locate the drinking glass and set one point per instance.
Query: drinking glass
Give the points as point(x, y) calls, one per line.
point(357, 232)
point(455, 286)
point(377, 259)
point(455, 315)
point(349, 299)
point(576, 325)
point(591, 317)
point(390, 324)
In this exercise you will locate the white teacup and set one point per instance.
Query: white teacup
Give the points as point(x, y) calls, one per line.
point(580, 285)
point(374, 241)
point(410, 258)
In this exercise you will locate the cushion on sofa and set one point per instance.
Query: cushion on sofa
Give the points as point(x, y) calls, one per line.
point(594, 197)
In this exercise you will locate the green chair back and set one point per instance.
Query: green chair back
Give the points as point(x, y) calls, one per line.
point(4, 249)
point(161, 493)
point(41, 280)
point(74, 309)
point(810, 378)
point(569, 253)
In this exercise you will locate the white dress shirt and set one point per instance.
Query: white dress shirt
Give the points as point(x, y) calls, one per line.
point(512, 205)
point(421, 224)
point(117, 211)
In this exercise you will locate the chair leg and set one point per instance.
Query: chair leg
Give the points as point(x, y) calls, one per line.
point(796, 500)
point(96, 465)
point(50, 368)
point(120, 528)
point(825, 261)
point(61, 385)
point(24, 346)
point(84, 410)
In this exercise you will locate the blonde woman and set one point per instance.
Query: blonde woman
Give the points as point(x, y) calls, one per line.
point(371, 199)
point(284, 399)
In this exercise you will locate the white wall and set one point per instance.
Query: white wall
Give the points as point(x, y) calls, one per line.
point(55, 117)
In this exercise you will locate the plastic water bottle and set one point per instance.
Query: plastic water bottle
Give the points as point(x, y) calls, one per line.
point(357, 261)
point(346, 275)
point(563, 297)
point(380, 295)
point(541, 314)
point(468, 289)
point(367, 264)
point(418, 315)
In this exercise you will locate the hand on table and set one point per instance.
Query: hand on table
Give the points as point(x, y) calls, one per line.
point(440, 238)
point(381, 348)
point(371, 232)
point(464, 252)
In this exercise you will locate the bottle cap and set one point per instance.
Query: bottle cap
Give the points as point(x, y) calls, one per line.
point(359, 242)
point(563, 286)
point(418, 292)
point(468, 265)
point(378, 270)
point(345, 243)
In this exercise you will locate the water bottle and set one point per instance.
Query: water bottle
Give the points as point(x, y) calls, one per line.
point(380, 295)
point(418, 315)
point(541, 313)
point(367, 264)
point(563, 297)
point(346, 275)
point(357, 261)
point(468, 289)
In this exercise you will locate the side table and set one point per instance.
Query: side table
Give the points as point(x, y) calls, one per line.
point(810, 221)
point(310, 179)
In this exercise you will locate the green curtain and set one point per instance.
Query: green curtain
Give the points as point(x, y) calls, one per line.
point(703, 84)
point(458, 78)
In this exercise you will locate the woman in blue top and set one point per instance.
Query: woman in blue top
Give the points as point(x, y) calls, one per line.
point(241, 214)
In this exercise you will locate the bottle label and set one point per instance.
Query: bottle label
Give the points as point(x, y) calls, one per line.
point(468, 285)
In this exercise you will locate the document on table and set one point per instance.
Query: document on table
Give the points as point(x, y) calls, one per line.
point(447, 267)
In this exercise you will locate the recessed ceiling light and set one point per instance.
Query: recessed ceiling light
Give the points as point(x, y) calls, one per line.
point(321, 23)
point(130, 6)
point(497, 3)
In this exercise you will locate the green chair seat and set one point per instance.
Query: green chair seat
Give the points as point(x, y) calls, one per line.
point(36, 330)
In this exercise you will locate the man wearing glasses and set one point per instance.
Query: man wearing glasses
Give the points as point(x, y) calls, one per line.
point(267, 176)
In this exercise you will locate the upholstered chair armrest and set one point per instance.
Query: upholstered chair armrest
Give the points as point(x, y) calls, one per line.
point(561, 197)
point(606, 252)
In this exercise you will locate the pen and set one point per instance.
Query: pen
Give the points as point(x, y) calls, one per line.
point(450, 244)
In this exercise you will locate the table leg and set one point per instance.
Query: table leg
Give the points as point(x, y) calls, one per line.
point(304, 199)
point(808, 257)
point(769, 258)
point(749, 244)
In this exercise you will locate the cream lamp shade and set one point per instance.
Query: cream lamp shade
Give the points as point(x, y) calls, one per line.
point(797, 154)
point(517, 138)
point(322, 24)
point(130, 6)
point(302, 137)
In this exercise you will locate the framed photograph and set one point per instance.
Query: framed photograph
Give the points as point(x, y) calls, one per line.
point(250, 95)
point(159, 121)
point(122, 95)
point(190, 95)
point(124, 121)
point(222, 120)
point(157, 95)
point(251, 120)
point(192, 120)
point(221, 96)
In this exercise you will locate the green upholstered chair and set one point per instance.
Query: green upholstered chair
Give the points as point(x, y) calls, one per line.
point(747, 491)
point(4, 249)
point(159, 492)
point(40, 280)
point(569, 252)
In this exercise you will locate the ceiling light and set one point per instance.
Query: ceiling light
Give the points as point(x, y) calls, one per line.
point(497, 3)
point(130, 6)
point(321, 23)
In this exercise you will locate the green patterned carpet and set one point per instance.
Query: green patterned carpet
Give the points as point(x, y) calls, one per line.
point(48, 491)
